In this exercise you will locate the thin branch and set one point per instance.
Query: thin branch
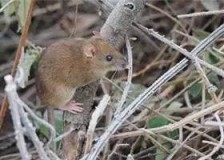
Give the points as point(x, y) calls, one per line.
point(115, 149)
point(215, 12)
point(128, 83)
point(211, 88)
point(180, 145)
point(168, 15)
point(182, 50)
point(40, 120)
point(31, 131)
point(129, 110)
point(217, 147)
point(143, 131)
point(6, 5)
point(59, 138)
point(188, 119)
point(22, 43)
point(19, 130)
point(212, 143)
point(93, 122)
point(20, 118)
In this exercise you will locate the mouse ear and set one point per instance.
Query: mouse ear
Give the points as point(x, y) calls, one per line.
point(89, 50)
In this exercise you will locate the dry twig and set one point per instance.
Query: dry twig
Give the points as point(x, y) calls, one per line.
point(22, 42)
point(129, 110)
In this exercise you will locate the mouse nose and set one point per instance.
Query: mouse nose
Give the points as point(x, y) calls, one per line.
point(121, 63)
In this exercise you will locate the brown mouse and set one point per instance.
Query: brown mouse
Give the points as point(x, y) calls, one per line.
point(68, 64)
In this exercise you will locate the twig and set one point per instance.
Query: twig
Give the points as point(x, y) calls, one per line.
point(216, 148)
point(31, 131)
point(93, 122)
point(20, 117)
point(203, 102)
point(168, 15)
point(211, 88)
point(54, 156)
point(186, 120)
point(22, 42)
point(128, 83)
point(211, 67)
point(64, 135)
point(179, 146)
point(34, 116)
point(154, 63)
point(201, 14)
point(182, 50)
point(142, 131)
point(219, 51)
point(213, 123)
point(14, 107)
point(114, 151)
point(184, 145)
point(183, 90)
point(212, 143)
point(129, 110)
point(145, 132)
point(6, 5)
point(194, 59)
point(187, 100)
point(29, 125)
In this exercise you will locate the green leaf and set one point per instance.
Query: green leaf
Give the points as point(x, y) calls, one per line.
point(195, 90)
point(157, 122)
point(173, 134)
point(19, 7)
point(58, 124)
point(25, 64)
point(22, 11)
point(10, 9)
point(160, 121)
point(211, 58)
point(43, 130)
point(200, 34)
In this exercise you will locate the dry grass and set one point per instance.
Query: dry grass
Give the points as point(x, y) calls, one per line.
point(181, 121)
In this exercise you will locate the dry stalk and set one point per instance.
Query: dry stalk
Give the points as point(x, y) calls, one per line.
point(190, 15)
point(129, 110)
point(22, 42)
point(188, 119)
point(93, 122)
point(128, 83)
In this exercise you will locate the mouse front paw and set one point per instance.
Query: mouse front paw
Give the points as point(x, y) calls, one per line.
point(72, 107)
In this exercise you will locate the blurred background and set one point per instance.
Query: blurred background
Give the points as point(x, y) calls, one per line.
point(56, 19)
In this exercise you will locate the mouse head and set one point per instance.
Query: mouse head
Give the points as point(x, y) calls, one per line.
point(103, 57)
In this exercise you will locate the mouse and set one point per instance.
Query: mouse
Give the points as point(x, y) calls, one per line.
point(69, 64)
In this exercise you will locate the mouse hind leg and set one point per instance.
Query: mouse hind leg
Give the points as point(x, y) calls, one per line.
point(67, 104)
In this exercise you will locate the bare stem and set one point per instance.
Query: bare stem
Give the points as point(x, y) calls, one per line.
point(129, 110)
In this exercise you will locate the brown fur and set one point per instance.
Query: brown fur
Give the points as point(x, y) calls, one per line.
point(64, 67)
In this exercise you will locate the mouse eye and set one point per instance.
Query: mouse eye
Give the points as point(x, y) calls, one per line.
point(109, 58)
